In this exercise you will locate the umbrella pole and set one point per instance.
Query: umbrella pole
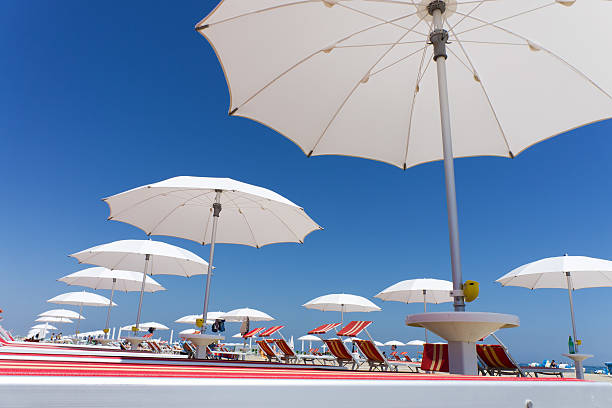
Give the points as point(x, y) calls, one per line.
point(110, 304)
point(439, 38)
point(216, 212)
point(79, 319)
point(570, 288)
point(425, 310)
point(142, 286)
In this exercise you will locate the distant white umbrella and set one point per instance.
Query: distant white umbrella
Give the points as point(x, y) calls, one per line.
point(52, 319)
point(239, 315)
point(145, 256)
point(310, 338)
point(378, 343)
point(424, 290)
point(415, 343)
point(394, 343)
point(350, 339)
point(341, 302)
point(148, 325)
point(100, 277)
point(81, 299)
point(562, 272)
point(189, 331)
point(44, 326)
point(185, 206)
point(192, 319)
point(237, 335)
point(69, 314)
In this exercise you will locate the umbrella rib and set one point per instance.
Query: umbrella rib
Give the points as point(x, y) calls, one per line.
point(484, 91)
point(398, 61)
point(276, 78)
point(492, 23)
point(392, 22)
point(355, 88)
point(468, 14)
point(414, 94)
point(250, 229)
point(560, 59)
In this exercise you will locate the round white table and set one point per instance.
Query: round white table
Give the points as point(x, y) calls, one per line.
point(134, 342)
point(201, 341)
point(578, 359)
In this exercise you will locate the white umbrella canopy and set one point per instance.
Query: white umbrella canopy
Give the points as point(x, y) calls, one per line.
point(310, 337)
point(418, 291)
point(80, 299)
point(190, 208)
point(189, 331)
point(326, 74)
point(183, 207)
point(145, 326)
point(52, 319)
point(415, 343)
point(191, 319)
point(254, 315)
point(45, 326)
point(130, 254)
point(111, 279)
point(341, 302)
point(585, 272)
point(69, 314)
point(359, 63)
point(562, 272)
point(394, 343)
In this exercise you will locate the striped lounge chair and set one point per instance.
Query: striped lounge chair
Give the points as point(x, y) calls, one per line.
point(340, 352)
point(269, 354)
point(375, 359)
point(435, 357)
point(252, 333)
point(288, 353)
point(497, 361)
point(324, 328)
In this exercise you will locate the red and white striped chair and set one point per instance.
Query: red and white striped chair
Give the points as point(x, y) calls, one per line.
point(340, 352)
point(288, 353)
point(435, 357)
point(323, 329)
point(252, 333)
point(269, 354)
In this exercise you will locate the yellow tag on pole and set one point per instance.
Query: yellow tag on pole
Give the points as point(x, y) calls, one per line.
point(134, 329)
point(579, 342)
point(199, 322)
point(105, 331)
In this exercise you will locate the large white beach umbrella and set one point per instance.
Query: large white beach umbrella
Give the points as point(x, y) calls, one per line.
point(81, 299)
point(69, 314)
point(357, 77)
point(52, 319)
point(144, 256)
point(562, 272)
point(423, 290)
point(45, 326)
point(111, 279)
point(343, 303)
point(190, 208)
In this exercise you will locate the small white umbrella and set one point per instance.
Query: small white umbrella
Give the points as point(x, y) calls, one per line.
point(147, 325)
point(192, 319)
point(69, 314)
point(562, 272)
point(394, 343)
point(144, 256)
point(310, 338)
point(185, 206)
point(424, 290)
point(378, 343)
point(52, 319)
point(189, 331)
point(46, 326)
point(81, 299)
point(341, 302)
point(415, 343)
point(111, 279)
point(237, 335)
point(239, 315)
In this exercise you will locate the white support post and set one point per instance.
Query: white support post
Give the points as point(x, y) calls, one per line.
point(142, 286)
point(216, 212)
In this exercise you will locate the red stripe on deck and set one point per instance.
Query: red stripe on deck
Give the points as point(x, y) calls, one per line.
point(58, 369)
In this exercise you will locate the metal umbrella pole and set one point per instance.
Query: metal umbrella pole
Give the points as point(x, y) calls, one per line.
point(142, 286)
point(216, 212)
point(79, 319)
point(439, 38)
point(110, 304)
point(577, 362)
point(425, 309)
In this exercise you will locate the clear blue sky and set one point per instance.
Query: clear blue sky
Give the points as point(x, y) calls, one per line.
point(97, 98)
